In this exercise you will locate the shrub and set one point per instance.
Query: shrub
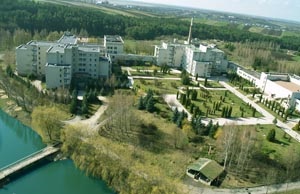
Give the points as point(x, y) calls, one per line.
point(271, 135)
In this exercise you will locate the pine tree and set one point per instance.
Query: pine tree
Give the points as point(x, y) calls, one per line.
point(205, 82)
point(209, 127)
point(229, 112)
point(253, 112)
point(180, 119)
point(175, 115)
point(141, 105)
point(271, 135)
point(150, 106)
point(192, 108)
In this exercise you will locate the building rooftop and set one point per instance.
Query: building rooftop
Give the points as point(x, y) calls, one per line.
point(56, 49)
point(250, 72)
point(289, 85)
point(58, 65)
point(90, 48)
point(68, 39)
point(209, 168)
point(217, 50)
point(113, 38)
point(41, 43)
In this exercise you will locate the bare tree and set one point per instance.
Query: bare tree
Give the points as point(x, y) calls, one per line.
point(236, 146)
point(291, 160)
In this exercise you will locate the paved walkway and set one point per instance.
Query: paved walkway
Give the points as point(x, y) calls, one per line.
point(173, 103)
point(266, 114)
point(91, 123)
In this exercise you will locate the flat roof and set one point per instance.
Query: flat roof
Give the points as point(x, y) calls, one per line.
point(68, 39)
point(41, 43)
point(289, 85)
point(113, 38)
point(57, 48)
point(89, 48)
point(250, 72)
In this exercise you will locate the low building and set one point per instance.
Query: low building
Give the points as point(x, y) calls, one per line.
point(275, 85)
point(252, 76)
point(205, 171)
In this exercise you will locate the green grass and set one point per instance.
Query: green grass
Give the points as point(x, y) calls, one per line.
point(296, 58)
point(207, 21)
point(158, 86)
point(256, 29)
point(163, 109)
point(212, 84)
point(270, 111)
point(144, 47)
point(291, 33)
point(230, 100)
point(290, 192)
point(276, 150)
point(158, 74)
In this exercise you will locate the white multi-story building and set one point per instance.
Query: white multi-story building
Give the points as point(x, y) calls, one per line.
point(169, 54)
point(114, 45)
point(204, 61)
point(60, 61)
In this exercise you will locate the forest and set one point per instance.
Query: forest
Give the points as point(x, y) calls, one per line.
point(33, 17)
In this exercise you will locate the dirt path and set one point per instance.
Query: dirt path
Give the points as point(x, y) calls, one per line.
point(91, 124)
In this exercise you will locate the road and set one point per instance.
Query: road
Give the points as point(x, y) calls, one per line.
point(255, 190)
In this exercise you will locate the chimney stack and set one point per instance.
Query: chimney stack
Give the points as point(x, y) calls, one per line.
point(190, 32)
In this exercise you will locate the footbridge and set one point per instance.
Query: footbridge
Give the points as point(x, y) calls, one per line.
point(22, 164)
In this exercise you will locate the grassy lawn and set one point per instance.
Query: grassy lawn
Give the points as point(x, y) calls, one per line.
point(290, 33)
point(256, 29)
point(290, 192)
point(162, 109)
point(212, 84)
point(275, 150)
point(230, 100)
point(158, 86)
point(270, 111)
point(296, 58)
point(144, 47)
point(158, 74)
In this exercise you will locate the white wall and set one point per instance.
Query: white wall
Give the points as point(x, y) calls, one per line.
point(58, 76)
point(24, 60)
point(41, 59)
point(248, 77)
point(272, 88)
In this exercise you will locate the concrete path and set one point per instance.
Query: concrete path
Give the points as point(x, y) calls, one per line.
point(173, 103)
point(90, 124)
point(267, 115)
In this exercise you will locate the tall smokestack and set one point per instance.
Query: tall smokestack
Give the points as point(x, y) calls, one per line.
point(190, 32)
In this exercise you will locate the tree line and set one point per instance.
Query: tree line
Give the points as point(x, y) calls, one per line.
point(36, 17)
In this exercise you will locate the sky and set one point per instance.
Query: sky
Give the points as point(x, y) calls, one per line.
point(284, 9)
